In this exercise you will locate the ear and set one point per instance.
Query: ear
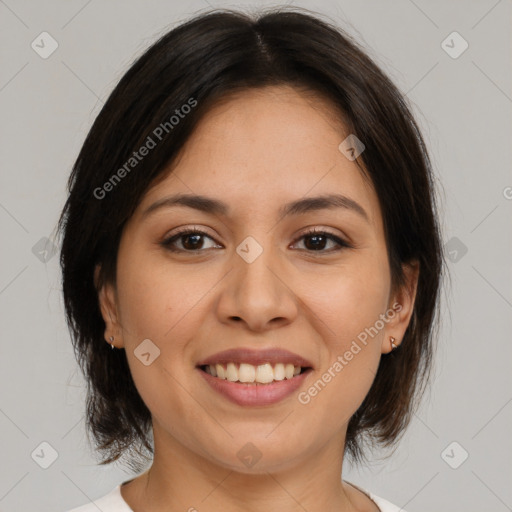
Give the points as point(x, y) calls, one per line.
point(401, 307)
point(108, 306)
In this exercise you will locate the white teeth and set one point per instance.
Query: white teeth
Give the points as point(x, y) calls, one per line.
point(221, 373)
point(264, 374)
point(248, 373)
point(279, 371)
point(231, 372)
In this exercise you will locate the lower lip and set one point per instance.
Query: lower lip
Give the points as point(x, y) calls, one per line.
point(255, 394)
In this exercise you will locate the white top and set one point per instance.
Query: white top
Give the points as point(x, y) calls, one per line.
point(114, 502)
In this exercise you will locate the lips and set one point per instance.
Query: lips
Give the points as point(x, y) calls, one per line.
point(251, 377)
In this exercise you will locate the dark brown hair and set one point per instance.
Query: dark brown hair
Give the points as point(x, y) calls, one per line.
point(205, 59)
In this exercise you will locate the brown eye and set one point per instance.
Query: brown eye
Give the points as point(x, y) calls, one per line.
point(317, 240)
point(191, 241)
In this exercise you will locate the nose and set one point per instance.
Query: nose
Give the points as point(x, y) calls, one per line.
point(255, 292)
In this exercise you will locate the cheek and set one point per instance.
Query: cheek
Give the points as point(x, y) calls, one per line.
point(347, 311)
point(142, 302)
point(164, 304)
point(153, 295)
point(153, 308)
point(352, 298)
point(348, 317)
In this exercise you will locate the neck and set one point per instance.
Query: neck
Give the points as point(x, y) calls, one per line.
point(180, 479)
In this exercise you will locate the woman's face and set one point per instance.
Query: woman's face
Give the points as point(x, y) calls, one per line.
point(257, 281)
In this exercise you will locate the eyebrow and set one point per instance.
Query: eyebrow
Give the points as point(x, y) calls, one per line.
point(300, 206)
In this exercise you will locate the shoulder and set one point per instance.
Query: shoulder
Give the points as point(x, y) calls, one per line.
point(382, 504)
point(385, 505)
point(110, 502)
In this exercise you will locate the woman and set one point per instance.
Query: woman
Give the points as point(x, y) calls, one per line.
point(251, 267)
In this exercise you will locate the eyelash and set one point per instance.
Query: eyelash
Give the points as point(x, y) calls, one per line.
point(167, 243)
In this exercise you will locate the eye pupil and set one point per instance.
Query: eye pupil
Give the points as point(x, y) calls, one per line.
point(192, 241)
point(194, 245)
point(315, 246)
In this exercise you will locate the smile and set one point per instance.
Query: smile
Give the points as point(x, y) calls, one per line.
point(255, 386)
point(252, 374)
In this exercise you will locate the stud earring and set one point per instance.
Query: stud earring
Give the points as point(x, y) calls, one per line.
point(111, 340)
point(393, 345)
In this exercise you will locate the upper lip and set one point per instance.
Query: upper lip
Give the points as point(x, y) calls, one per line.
point(256, 357)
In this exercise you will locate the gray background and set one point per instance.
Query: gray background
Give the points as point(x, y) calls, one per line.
point(464, 107)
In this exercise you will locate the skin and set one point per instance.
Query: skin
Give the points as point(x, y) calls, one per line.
point(255, 152)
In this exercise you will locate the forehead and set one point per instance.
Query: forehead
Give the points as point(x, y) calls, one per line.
point(262, 147)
